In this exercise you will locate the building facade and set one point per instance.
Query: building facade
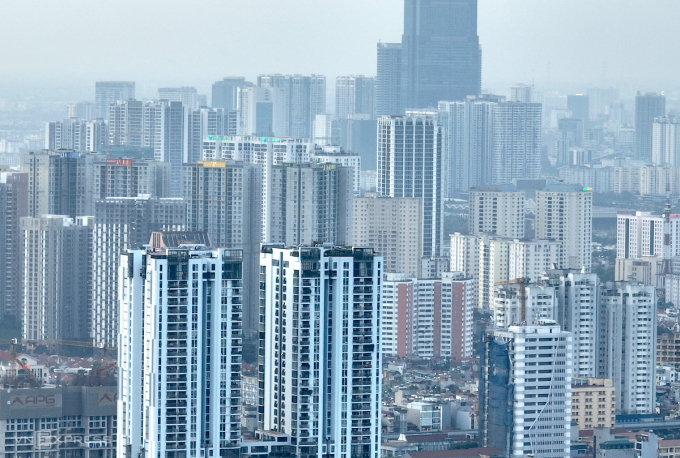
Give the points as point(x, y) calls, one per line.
point(180, 367)
point(593, 403)
point(13, 207)
point(627, 344)
point(354, 96)
point(517, 142)
point(564, 213)
point(388, 80)
point(390, 225)
point(410, 165)
point(429, 319)
point(525, 381)
point(648, 107)
point(320, 363)
point(224, 199)
point(57, 277)
point(468, 136)
point(441, 57)
point(108, 92)
point(123, 223)
point(53, 422)
point(497, 210)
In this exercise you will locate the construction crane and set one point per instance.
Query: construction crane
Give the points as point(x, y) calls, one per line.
point(68, 343)
point(16, 364)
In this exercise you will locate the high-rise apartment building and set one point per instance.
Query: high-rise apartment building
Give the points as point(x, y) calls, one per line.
point(320, 363)
point(428, 318)
point(519, 303)
point(123, 223)
point(648, 107)
point(164, 130)
point(97, 136)
point(57, 294)
point(392, 226)
point(224, 199)
point(468, 143)
point(497, 210)
point(491, 260)
point(59, 183)
point(258, 150)
point(565, 213)
point(108, 92)
point(225, 92)
point(666, 141)
point(126, 123)
point(70, 133)
point(13, 207)
point(80, 110)
point(410, 165)
point(205, 122)
point(388, 80)
point(641, 234)
point(354, 96)
point(524, 387)
point(179, 391)
point(522, 93)
point(627, 344)
point(308, 203)
point(336, 155)
point(188, 96)
point(579, 105)
point(130, 178)
point(441, 56)
point(577, 303)
point(299, 98)
point(517, 141)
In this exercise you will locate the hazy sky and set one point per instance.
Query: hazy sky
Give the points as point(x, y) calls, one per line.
point(171, 42)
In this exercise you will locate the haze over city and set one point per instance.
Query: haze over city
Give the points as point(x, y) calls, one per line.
point(574, 44)
point(340, 229)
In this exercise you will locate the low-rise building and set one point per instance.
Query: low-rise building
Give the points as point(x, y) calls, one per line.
point(54, 422)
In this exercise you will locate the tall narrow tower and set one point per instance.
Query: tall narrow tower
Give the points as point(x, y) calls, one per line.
point(441, 56)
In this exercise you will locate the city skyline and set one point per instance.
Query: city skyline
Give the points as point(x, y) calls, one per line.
point(505, 28)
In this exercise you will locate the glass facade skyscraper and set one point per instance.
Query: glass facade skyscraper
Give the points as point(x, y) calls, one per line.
point(441, 56)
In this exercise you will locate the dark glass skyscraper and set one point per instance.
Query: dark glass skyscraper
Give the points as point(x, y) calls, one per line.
point(441, 56)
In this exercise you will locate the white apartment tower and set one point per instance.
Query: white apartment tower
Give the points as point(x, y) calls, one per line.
point(468, 143)
point(565, 213)
point(179, 353)
point(525, 391)
point(320, 359)
point(354, 96)
point(641, 234)
point(108, 92)
point(627, 344)
point(518, 304)
point(517, 141)
point(497, 210)
point(410, 165)
point(577, 304)
point(666, 141)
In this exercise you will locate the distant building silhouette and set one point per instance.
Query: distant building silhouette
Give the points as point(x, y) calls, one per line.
point(441, 56)
point(647, 108)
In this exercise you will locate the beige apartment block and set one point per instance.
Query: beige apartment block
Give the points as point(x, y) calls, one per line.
point(593, 403)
